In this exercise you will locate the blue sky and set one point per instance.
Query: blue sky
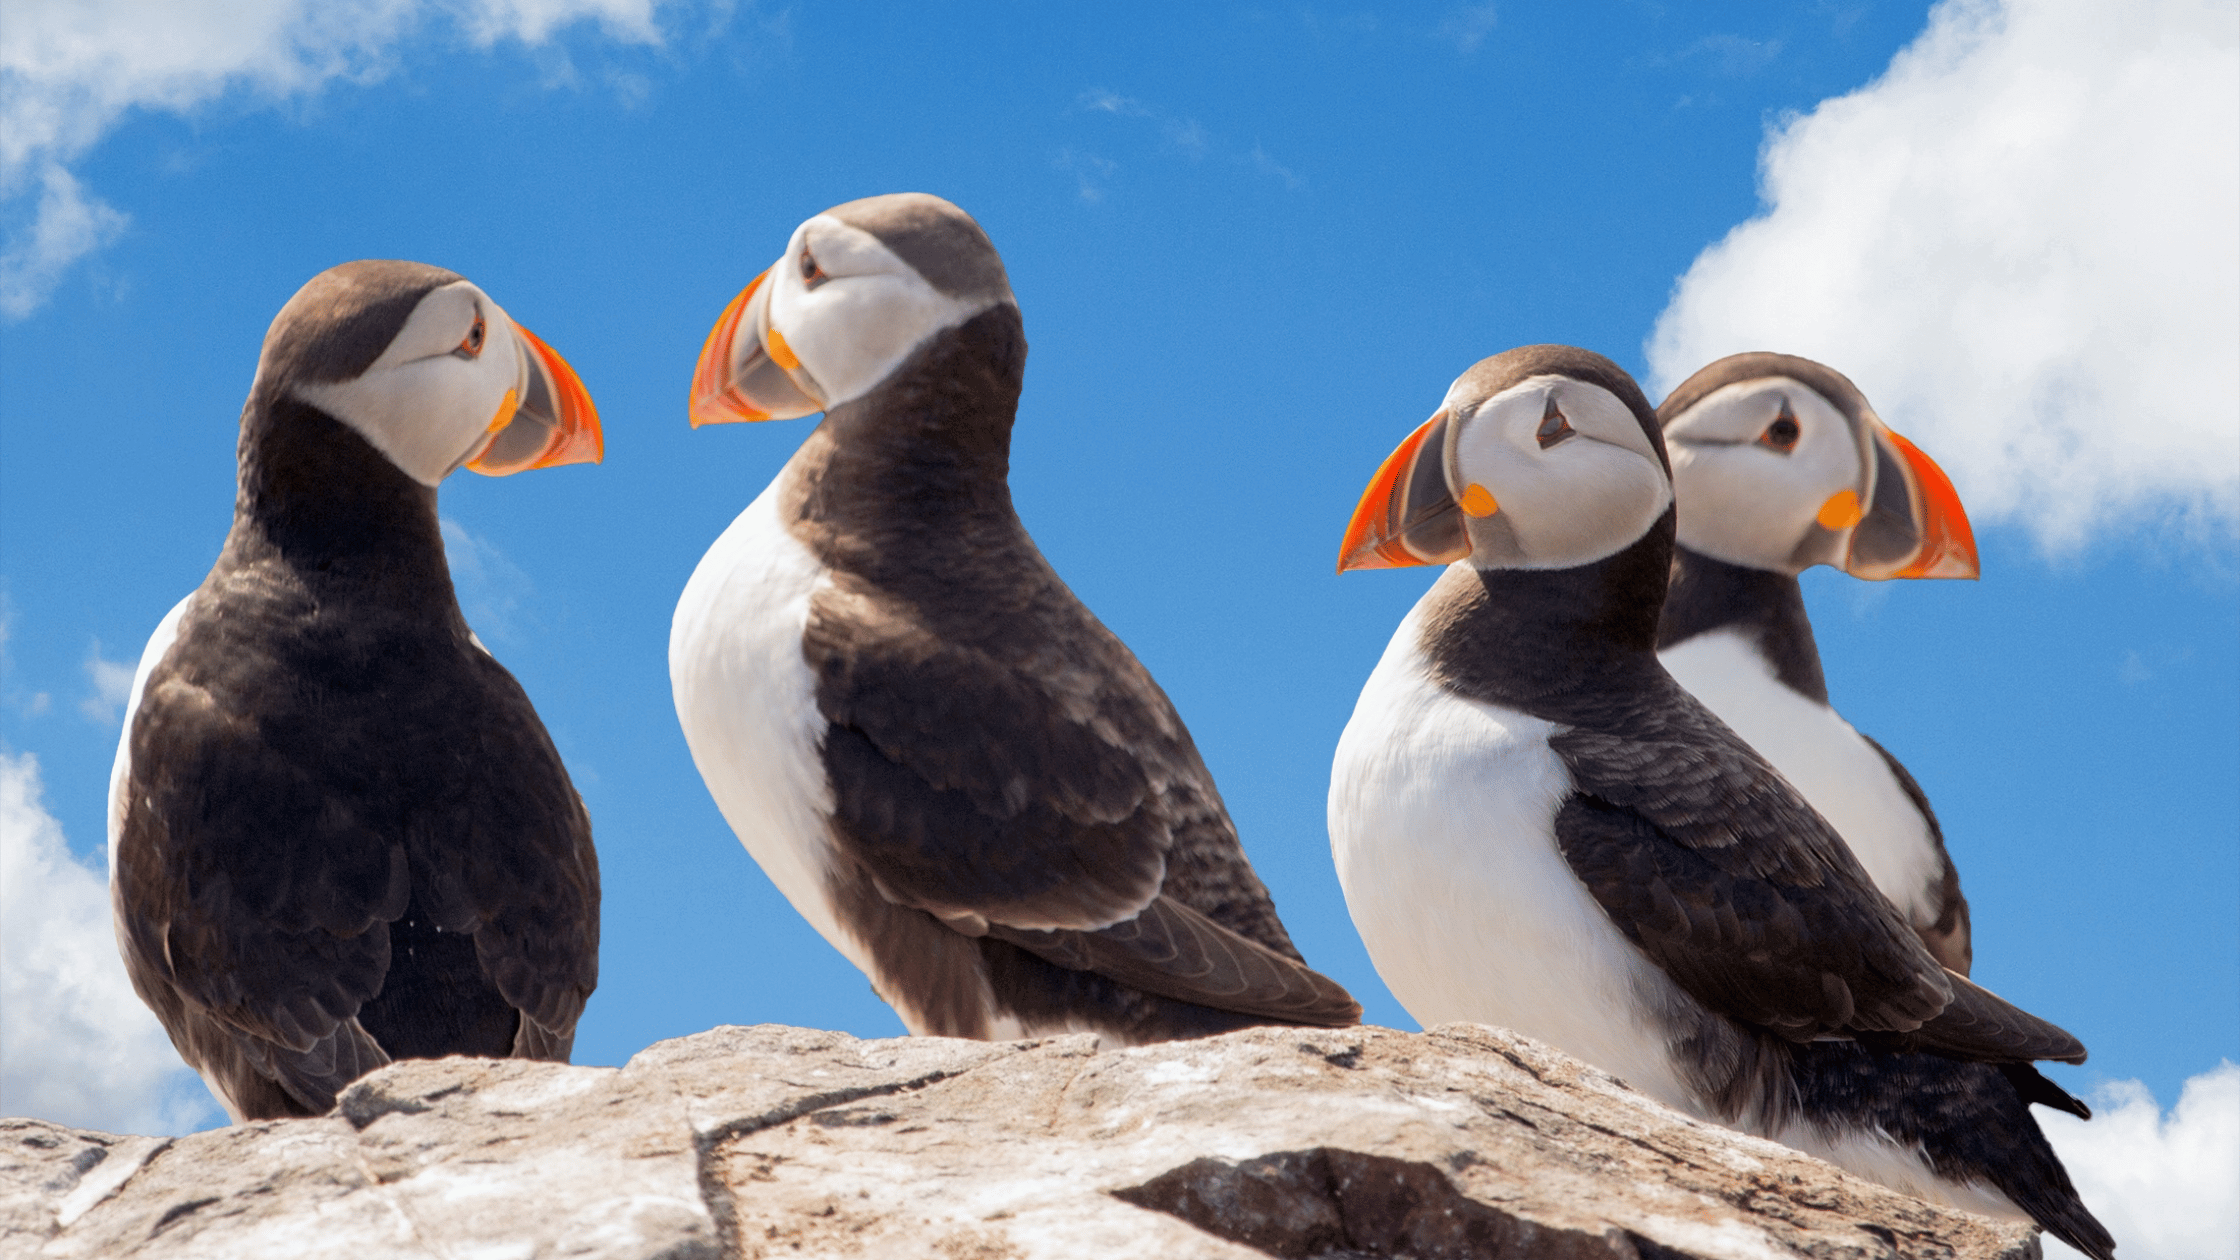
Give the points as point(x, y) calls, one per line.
point(1252, 247)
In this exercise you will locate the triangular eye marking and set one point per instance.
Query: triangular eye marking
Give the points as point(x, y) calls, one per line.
point(812, 274)
point(1783, 433)
point(1553, 426)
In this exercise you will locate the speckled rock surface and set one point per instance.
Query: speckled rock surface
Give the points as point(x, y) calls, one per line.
point(1459, 1142)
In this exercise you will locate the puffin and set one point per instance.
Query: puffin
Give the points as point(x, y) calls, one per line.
point(1780, 464)
point(338, 833)
point(966, 783)
point(1535, 826)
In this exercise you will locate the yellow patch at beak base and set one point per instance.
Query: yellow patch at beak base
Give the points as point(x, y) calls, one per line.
point(1841, 511)
point(781, 353)
point(506, 407)
point(1479, 501)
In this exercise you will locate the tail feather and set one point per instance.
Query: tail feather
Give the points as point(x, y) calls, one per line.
point(2035, 1088)
point(1970, 1123)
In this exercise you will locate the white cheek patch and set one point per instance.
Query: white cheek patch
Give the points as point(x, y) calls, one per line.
point(1600, 501)
point(436, 325)
point(871, 312)
point(1746, 503)
point(420, 405)
point(842, 249)
point(1585, 498)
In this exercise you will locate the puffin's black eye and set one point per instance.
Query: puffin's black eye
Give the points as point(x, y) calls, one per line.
point(471, 345)
point(812, 275)
point(1783, 433)
point(1554, 427)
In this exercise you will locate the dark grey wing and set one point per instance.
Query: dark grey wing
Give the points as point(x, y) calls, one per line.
point(1052, 795)
point(1948, 937)
point(1716, 868)
point(277, 932)
point(507, 855)
point(1800, 959)
point(1982, 1025)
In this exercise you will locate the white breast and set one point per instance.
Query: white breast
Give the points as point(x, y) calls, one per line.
point(1838, 772)
point(747, 701)
point(120, 771)
point(1442, 824)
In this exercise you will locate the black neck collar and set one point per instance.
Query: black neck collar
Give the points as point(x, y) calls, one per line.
point(1568, 645)
point(317, 498)
point(1765, 607)
point(922, 462)
point(940, 424)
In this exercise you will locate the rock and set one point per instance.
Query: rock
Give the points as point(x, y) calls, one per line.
point(1460, 1142)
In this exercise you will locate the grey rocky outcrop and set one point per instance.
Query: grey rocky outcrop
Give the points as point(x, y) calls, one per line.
point(1462, 1141)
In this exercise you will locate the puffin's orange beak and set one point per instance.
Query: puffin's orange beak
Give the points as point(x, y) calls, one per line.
point(746, 369)
point(1408, 515)
point(1916, 527)
point(1948, 545)
point(546, 420)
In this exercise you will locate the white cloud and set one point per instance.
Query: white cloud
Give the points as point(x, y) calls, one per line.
point(66, 226)
point(70, 70)
point(76, 1045)
point(2019, 241)
point(534, 21)
point(112, 686)
point(2167, 1187)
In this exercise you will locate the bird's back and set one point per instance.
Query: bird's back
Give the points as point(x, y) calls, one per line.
point(327, 803)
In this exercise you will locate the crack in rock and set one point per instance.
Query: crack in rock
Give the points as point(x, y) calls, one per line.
point(1328, 1203)
point(708, 1145)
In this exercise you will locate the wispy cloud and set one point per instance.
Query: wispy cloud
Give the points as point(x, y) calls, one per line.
point(31, 705)
point(1268, 166)
point(1178, 134)
point(111, 683)
point(1091, 174)
point(1466, 27)
point(71, 70)
point(1105, 102)
point(76, 1045)
point(2019, 242)
point(2162, 1184)
point(1840, 15)
point(1189, 137)
point(1733, 56)
point(492, 589)
point(1183, 134)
